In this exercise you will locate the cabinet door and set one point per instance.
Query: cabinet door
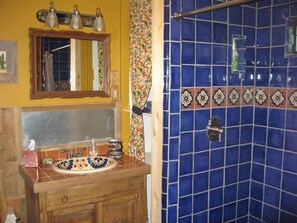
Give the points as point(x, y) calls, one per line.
point(123, 209)
point(77, 214)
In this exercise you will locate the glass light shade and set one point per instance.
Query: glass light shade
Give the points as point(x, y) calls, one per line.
point(76, 22)
point(51, 19)
point(99, 24)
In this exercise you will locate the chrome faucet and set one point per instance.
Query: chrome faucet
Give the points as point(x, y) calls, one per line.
point(69, 155)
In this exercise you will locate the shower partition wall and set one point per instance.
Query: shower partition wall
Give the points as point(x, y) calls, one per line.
point(249, 176)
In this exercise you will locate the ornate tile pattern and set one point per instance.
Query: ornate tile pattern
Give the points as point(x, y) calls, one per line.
point(261, 97)
point(187, 98)
point(202, 98)
point(277, 98)
point(219, 97)
point(234, 96)
point(292, 96)
point(247, 96)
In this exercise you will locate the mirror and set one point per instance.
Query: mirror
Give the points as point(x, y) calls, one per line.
point(291, 37)
point(69, 64)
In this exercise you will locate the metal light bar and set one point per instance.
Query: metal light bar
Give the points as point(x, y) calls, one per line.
point(211, 8)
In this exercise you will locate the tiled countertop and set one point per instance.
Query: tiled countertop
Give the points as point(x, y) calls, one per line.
point(44, 178)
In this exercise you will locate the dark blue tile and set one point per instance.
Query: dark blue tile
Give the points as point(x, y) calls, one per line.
point(219, 33)
point(293, 9)
point(200, 202)
point(262, 77)
point(217, 158)
point(175, 54)
point(278, 35)
point(243, 190)
point(292, 78)
point(250, 36)
point(229, 212)
point(291, 120)
point(259, 154)
point(188, 53)
point(260, 135)
point(188, 5)
point(201, 119)
point(172, 214)
point(245, 153)
point(257, 173)
point(288, 202)
point(274, 158)
point(166, 69)
point(257, 191)
point(215, 198)
point(204, 33)
point(166, 50)
point(290, 160)
point(188, 29)
point(270, 214)
point(233, 116)
point(263, 37)
point(234, 30)
point(232, 136)
point(173, 148)
point(203, 76)
point(289, 182)
point(185, 185)
point(250, 56)
point(220, 15)
point(186, 164)
point(278, 76)
point(200, 182)
point(219, 76)
point(165, 136)
point(185, 219)
point(201, 217)
point(234, 79)
point(248, 78)
point(175, 78)
point(173, 168)
point(215, 215)
point(275, 138)
point(249, 16)
point(246, 134)
point(273, 177)
point(232, 155)
point(235, 15)
point(166, 85)
point(175, 29)
point(201, 4)
point(172, 194)
point(219, 144)
point(244, 171)
point(187, 120)
point(174, 101)
point(263, 58)
point(216, 178)
point(291, 141)
point(242, 208)
point(231, 174)
point(286, 217)
point(280, 13)
point(174, 125)
point(263, 18)
point(276, 118)
point(255, 208)
point(219, 113)
point(164, 170)
point(185, 206)
point(201, 162)
point(166, 14)
point(201, 141)
point(203, 54)
point(230, 193)
point(219, 55)
point(261, 116)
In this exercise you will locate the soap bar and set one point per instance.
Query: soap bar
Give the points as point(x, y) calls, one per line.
point(30, 159)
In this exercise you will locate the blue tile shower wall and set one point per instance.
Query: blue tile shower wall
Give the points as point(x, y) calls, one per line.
point(250, 175)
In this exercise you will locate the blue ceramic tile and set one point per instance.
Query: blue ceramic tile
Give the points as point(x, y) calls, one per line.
point(250, 36)
point(276, 118)
point(218, 144)
point(186, 164)
point(273, 177)
point(232, 136)
point(174, 125)
point(256, 191)
point(201, 162)
point(164, 184)
point(234, 79)
point(245, 153)
point(270, 214)
point(172, 214)
point(173, 168)
point(215, 198)
point(260, 135)
point(166, 14)
point(278, 35)
point(233, 116)
point(230, 193)
point(255, 208)
point(215, 215)
point(203, 53)
point(165, 101)
point(173, 148)
point(203, 76)
point(188, 53)
point(188, 29)
point(166, 68)
point(166, 50)
point(289, 182)
point(278, 58)
point(165, 119)
point(185, 219)
point(201, 217)
point(216, 178)
point(187, 120)
point(263, 37)
point(172, 194)
point(261, 116)
point(175, 30)
point(201, 119)
point(248, 78)
point(174, 101)
point(229, 212)
point(204, 33)
point(246, 134)
point(175, 53)
point(188, 5)
point(242, 208)
point(259, 154)
point(262, 77)
point(291, 120)
point(175, 77)
point(201, 141)
point(292, 78)
point(290, 160)
point(200, 182)
point(254, 220)
point(200, 202)
point(274, 158)
point(185, 206)
point(250, 56)
point(220, 15)
point(219, 33)
point(234, 30)
point(166, 85)
point(217, 158)
point(165, 153)
point(249, 16)
point(235, 15)
point(293, 9)
point(232, 155)
point(286, 217)
point(188, 76)
point(244, 171)
point(219, 113)
point(164, 170)
point(185, 185)
point(186, 145)
point(258, 173)
point(219, 76)
point(288, 202)
point(231, 175)
point(280, 13)
point(165, 136)
point(219, 54)
point(263, 57)
point(291, 141)
point(275, 138)
point(263, 18)
point(243, 190)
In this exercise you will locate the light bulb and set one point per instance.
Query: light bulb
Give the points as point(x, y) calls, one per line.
point(76, 22)
point(51, 19)
point(99, 24)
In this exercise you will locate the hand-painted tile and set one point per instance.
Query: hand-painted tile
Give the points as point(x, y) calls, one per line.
point(187, 98)
point(234, 98)
point(292, 98)
point(218, 97)
point(277, 97)
point(202, 98)
point(261, 96)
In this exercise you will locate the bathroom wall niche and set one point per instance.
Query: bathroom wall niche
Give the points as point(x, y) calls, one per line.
point(291, 37)
point(238, 61)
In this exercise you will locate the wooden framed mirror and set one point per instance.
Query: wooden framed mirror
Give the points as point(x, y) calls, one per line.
point(69, 64)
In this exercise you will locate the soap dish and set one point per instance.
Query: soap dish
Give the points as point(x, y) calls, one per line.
point(48, 161)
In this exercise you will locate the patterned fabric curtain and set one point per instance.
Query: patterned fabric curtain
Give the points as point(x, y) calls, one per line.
point(140, 71)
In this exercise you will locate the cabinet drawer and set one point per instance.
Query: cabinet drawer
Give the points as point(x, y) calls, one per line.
point(92, 192)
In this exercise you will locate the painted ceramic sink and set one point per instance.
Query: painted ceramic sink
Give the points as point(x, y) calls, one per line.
point(83, 165)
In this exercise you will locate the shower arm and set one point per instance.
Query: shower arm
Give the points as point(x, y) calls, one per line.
point(226, 4)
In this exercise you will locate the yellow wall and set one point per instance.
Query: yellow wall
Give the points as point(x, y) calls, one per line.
point(17, 16)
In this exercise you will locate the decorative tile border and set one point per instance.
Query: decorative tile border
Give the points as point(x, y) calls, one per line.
point(195, 98)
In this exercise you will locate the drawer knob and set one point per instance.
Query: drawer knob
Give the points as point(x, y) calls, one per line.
point(64, 199)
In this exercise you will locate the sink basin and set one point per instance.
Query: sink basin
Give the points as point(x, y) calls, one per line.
point(82, 165)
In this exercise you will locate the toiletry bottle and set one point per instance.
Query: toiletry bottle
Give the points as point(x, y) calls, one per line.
point(235, 57)
point(93, 151)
